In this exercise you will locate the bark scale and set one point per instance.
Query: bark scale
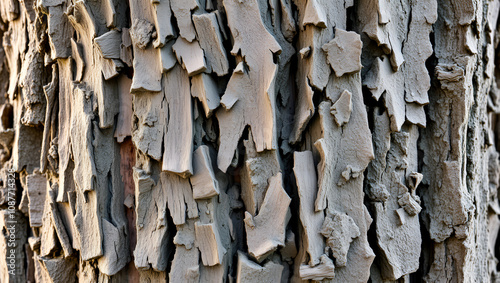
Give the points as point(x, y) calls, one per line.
point(249, 141)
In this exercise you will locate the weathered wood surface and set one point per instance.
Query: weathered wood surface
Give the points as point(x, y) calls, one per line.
point(249, 141)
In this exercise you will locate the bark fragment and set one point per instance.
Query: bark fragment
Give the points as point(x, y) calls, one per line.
point(203, 181)
point(389, 109)
point(272, 218)
point(311, 221)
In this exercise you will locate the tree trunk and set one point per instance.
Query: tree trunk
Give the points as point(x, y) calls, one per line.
point(249, 141)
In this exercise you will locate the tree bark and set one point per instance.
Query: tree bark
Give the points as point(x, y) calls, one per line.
point(249, 141)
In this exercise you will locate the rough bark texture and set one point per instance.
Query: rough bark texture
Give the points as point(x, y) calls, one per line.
point(249, 140)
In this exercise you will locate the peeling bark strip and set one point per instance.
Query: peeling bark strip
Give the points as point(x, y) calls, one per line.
point(249, 141)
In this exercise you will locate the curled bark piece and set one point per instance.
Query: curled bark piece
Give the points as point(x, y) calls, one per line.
point(203, 87)
point(314, 14)
point(214, 216)
point(344, 52)
point(204, 182)
point(210, 40)
point(266, 231)
point(311, 221)
point(109, 44)
point(178, 138)
point(258, 169)
point(409, 204)
point(304, 52)
point(209, 243)
point(182, 12)
point(111, 68)
point(190, 55)
point(240, 69)
point(228, 101)
point(162, 15)
point(414, 180)
point(449, 73)
point(146, 59)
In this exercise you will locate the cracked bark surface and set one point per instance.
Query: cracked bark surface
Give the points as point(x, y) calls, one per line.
point(249, 141)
